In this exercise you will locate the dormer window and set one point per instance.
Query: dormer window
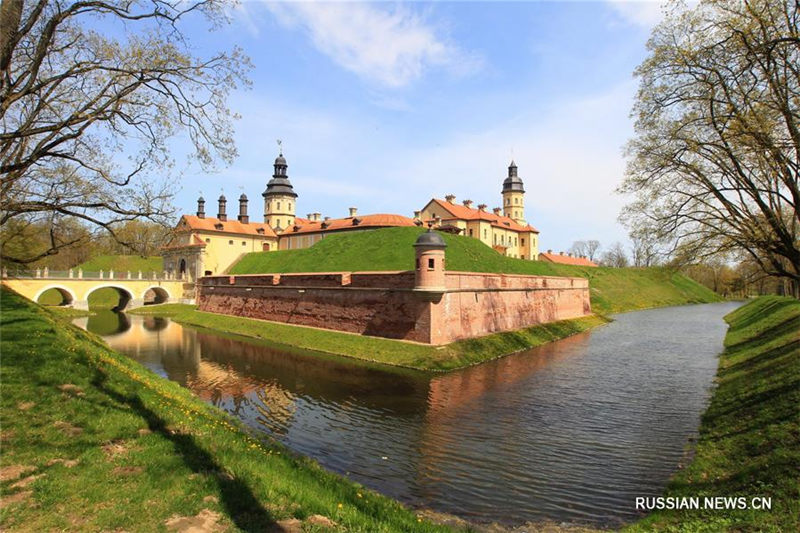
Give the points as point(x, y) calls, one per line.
point(296, 228)
point(219, 225)
point(324, 225)
point(260, 231)
point(356, 221)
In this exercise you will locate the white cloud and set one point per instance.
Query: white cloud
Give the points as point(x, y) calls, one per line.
point(645, 13)
point(388, 45)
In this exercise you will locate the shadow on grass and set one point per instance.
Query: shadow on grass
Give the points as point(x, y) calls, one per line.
point(241, 505)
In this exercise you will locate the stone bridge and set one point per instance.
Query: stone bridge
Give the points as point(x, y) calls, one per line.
point(135, 289)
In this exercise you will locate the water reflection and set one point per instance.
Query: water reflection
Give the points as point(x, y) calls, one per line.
point(571, 431)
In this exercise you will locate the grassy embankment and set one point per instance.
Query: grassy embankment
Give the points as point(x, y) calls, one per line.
point(749, 442)
point(612, 290)
point(94, 441)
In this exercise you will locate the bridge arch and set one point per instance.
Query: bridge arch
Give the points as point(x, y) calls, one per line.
point(66, 294)
point(125, 295)
point(155, 295)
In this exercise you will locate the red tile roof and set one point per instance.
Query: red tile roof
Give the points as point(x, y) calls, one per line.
point(341, 224)
point(566, 260)
point(228, 226)
point(467, 213)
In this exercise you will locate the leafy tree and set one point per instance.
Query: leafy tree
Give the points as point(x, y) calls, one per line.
point(90, 94)
point(714, 163)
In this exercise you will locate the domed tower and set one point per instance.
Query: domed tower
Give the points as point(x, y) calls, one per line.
point(430, 267)
point(514, 196)
point(279, 198)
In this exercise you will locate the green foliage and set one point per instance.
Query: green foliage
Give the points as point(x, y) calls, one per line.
point(386, 351)
point(614, 290)
point(112, 446)
point(123, 263)
point(749, 441)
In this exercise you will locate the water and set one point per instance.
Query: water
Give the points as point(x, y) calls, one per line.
point(572, 431)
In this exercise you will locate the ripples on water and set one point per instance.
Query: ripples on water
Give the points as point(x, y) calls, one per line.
point(574, 430)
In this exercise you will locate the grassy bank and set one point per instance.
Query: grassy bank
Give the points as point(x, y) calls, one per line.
point(386, 351)
point(94, 441)
point(749, 441)
point(613, 290)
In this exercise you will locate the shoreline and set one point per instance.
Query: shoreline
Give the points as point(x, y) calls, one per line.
point(390, 352)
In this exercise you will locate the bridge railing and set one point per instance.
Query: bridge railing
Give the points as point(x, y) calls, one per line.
point(77, 273)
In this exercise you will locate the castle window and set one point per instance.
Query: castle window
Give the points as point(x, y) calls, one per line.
point(484, 233)
point(417, 263)
point(470, 232)
point(244, 243)
point(516, 201)
point(279, 206)
point(230, 242)
point(515, 241)
point(495, 238)
point(508, 201)
point(208, 240)
point(289, 205)
point(523, 241)
point(431, 263)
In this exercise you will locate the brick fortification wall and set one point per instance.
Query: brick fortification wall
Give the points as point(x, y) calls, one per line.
point(385, 304)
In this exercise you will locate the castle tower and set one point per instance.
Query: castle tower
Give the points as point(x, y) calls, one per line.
point(430, 267)
point(279, 198)
point(514, 196)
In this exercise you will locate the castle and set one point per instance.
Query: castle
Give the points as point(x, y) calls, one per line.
point(206, 246)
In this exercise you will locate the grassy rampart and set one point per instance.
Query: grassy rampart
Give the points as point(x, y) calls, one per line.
point(386, 351)
point(613, 290)
point(93, 441)
point(749, 444)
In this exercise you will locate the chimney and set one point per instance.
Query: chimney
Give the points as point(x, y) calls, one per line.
point(417, 214)
point(201, 207)
point(310, 216)
point(327, 219)
point(221, 214)
point(482, 207)
point(353, 211)
point(560, 253)
point(316, 216)
point(549, 251)
point(496, 211)
point(243, 218)
point(450, 198)
point(467, 203)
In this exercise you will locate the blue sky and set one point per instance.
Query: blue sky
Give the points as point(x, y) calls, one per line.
point(383, 105)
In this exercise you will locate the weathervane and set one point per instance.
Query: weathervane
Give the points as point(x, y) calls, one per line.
point(280, 146)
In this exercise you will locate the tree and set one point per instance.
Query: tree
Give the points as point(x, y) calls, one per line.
point(90, 94)
point(615, 256)
point(588, 249)
point(714, 163)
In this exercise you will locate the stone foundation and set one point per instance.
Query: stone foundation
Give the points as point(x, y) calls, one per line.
point(386, 304)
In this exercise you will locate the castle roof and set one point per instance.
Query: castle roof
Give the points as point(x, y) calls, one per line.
point(566, 259)
point(468, 213)
point(379, 220)
point(227, 226)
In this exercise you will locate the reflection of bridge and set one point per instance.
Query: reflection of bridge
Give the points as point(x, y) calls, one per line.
point(135, 289)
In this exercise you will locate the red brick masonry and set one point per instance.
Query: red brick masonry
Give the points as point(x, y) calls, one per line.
point(385, 304)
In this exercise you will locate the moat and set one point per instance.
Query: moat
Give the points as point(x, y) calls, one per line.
point(572, 431)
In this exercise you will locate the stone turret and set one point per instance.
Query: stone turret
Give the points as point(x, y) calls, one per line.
point(430, 267)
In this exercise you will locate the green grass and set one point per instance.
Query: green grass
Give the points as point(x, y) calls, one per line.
point(105, 444)
point(122, 263)
point(385, 351)
point(749, 442)
point(613, 290)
